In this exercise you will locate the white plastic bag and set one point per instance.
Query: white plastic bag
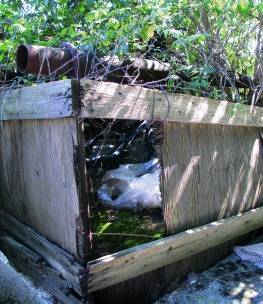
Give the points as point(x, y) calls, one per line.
point(251, 253)
point(132, 186)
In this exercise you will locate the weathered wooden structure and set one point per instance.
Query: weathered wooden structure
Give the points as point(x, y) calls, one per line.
point(211, 184)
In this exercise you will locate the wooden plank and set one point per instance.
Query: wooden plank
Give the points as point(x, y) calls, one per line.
point(59, 259)
point(32, 265)
point(13, 249)
point(149, 287)
point(209, 173)
point(48, 100)
point(121, 266)
point(37, 177)
point(85, 245)
point(111, 100)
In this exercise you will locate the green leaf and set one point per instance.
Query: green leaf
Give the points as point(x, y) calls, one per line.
point(3, 46)
point(19, 27)
point(147, 32)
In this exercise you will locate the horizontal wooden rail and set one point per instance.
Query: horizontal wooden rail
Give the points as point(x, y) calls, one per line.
point(138, 260)
point(44, 101)
point(112, 100)
point(99, 99)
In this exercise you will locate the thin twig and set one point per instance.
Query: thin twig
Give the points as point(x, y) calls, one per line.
point(125, 234)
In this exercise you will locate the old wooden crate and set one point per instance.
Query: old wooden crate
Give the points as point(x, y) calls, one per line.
point(211, 185)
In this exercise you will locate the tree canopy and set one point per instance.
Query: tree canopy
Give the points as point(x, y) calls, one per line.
point(197, 38)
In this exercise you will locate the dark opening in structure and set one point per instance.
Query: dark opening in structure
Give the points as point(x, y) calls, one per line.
point(123, 165)
point(22, 58)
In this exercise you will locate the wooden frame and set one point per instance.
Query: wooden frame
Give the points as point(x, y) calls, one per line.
point(118, 267)
point(41, 122)
point(49, 100)
point(114, 101)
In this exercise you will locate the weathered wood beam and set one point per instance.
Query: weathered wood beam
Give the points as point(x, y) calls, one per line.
point(126, 264)
point(33, 265)
point(48, 100)
point(56, 257)
point(112, 100)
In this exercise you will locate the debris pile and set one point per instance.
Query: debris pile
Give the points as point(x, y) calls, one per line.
point(135, 186)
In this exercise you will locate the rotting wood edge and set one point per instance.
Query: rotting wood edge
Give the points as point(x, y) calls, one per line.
point(56, 257)
point(34, 266)
point(121, 266)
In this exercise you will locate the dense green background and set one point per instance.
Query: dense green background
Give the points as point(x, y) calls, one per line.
point(193, 36)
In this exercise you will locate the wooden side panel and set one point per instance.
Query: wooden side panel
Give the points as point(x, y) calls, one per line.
point(209, 173)
point(37, 178)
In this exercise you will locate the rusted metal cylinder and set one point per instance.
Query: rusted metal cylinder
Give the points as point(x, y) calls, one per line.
point(41, 60)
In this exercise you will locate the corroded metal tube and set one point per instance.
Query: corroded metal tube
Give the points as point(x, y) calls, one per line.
point(41, 60)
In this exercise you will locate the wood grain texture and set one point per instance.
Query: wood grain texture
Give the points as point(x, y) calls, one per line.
point(37, 178)
point(84, 224)
point(56, 257)
point(209, 173)
point(138, 260)
point(49, 100)
point(33, 266)
point(149, 287)
point(111, 100)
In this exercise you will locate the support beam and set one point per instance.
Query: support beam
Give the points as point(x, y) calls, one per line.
point(44, 101)
point(112, 100)
point(121, 266)
point(99, 99)
point(59, 259)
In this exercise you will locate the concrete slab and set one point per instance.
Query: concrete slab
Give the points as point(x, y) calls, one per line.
point(17, 289)
point(231, 281)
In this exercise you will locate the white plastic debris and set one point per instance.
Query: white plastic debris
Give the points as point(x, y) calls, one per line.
point(132, 186)
point(192, 278)
point(251, 253)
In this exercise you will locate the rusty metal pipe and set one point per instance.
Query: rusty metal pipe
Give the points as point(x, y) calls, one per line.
point(41, 60)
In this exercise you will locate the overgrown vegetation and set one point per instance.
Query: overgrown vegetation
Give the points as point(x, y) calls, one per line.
point(197, 38)
point(214, 49)
point(118, 230)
